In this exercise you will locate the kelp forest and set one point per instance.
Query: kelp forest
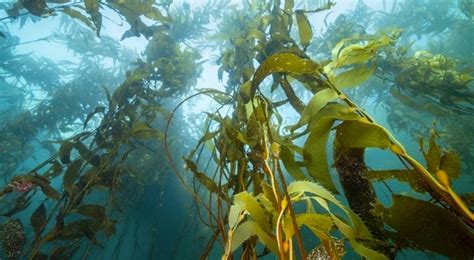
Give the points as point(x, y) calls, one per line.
point(253, 129)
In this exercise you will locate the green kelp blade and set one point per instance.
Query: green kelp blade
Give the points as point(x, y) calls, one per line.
point(285, 63)
point(73, 13)
point(317, 102)
point(155, 14)
point(38, 219)
point(248, 229)
point(433, 155)
point(430, 227)
point(288, 159)
point(99, 109)
point(304, 28)
point(359, 231)
point(208, 183)
point(65, 152)
point(249, 203)
point(66, 252)
point(451, 164)
point(407, 176)
point(35, 7)
point(45, 187)
point(314, 149)
point(319, 224)
point(354, 77)
point(361, 134)
point(94, 211)
point(71, 175)
point(143, 131)
point(92, 6)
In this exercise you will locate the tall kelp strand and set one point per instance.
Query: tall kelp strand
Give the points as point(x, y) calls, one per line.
point(277, 129)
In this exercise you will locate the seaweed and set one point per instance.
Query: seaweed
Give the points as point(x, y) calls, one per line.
point(258, 181)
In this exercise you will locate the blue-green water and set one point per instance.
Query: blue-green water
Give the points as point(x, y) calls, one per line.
point(109, 74)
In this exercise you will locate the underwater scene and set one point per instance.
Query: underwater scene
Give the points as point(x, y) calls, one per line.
point(236, 129)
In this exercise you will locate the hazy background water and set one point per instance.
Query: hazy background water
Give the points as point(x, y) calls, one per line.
point(161, 222)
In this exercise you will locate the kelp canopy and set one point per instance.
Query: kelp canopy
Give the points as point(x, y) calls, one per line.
point(334, 129)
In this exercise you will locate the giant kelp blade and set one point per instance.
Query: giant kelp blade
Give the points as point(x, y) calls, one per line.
point(282, 63)
point(451, 164)
point(354, 77)
point(248, 229)
point(407, 176)
point(249, 203)
point(73, 13)
point(317, 102)
point(362, 134)
point(288, 159)
point(65, 152)
point(35, 7)
point(94, 211)
point(38, 219)
point(143, 131)
point(319, 224)
point(430, 226)
point(304, 28)
point(71, 175)
point(314, 149)
point(433, 155)
point(46, 187)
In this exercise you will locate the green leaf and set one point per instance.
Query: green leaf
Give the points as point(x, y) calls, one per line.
point(142, 131)
point(319, 224)
point(430, 227)
point(71, 175)
point(38, 219)
point(204, 179)
point(54, 170)
point(317, 102)
point(248, 229)
point(407, 176)
point(45, 187)
point(314, 149)
point(304, 28)
point(154, 14)
point(451, 164)
point(287, 157)
point(433, 156)
point(92, 6)
point(249, 203)
point(353, 233)
point(218, 96)
point(282, 62)
point(65, 152)
point(35, 7)
point(354, 77)
point(80, 228)
point(86, 154)
point(94, 211)
point(361, 134)
point(79, 16)
point(66, 252)
point(298, 187)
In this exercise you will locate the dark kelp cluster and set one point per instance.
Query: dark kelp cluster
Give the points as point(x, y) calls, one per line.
point(261, 184)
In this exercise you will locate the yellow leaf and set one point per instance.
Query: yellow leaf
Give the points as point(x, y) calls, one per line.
point(354, 77)
point(359, 134)
point(304, 28)
point(285, 63)
point(318, 101)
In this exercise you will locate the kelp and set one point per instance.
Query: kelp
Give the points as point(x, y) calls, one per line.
point(241, 192)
